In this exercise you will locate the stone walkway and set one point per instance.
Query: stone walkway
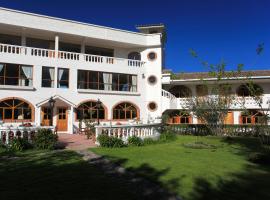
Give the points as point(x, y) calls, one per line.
point(75, 141)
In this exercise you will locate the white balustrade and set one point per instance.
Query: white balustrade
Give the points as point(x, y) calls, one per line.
point(64, 55)
point(125, 131)
point(7, 134)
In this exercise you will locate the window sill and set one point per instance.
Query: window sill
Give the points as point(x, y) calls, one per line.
point(108, 92)
point(15, 87)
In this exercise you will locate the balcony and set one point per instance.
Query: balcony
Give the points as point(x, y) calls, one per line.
point(67, 56)
point(169, 101)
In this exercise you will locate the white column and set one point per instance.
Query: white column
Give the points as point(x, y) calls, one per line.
point(236, 115)
point(56, 45)
point(83, 46)
point(38, 116)
point(71, 120)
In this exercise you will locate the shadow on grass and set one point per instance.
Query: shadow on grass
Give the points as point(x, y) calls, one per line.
point(64, 175)
point(251, 184)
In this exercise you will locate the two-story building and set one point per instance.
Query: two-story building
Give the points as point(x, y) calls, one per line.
point(45, 60)
point(58, 72)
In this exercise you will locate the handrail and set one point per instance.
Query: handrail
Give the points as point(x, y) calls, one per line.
point(49, 53)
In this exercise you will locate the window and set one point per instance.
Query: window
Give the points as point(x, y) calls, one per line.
point(125, 111)
point(179, 117)
point(14, 74)
point(47, 77)
point(152, 106)
point(152, 79)
point(63, 78)
point(253, 117)
point(106, 81)
point(134, 56)
point(88, 110)
point(152, 56)
point(13, 110)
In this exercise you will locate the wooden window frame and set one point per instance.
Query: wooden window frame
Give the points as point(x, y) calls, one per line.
point(4, 77)
point(118, 110)
point(91, 108)
point(100, 84)
point(59, 81)
point(12, 108)
point(52, 81)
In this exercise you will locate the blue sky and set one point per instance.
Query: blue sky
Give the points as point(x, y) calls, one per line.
point(216, 29)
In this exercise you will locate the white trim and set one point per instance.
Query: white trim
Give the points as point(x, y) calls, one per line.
point(15, 87)
point(73, 21)
point(56, 97)
point(127, 93)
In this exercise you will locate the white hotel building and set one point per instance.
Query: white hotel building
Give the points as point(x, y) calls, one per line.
point(76, 64)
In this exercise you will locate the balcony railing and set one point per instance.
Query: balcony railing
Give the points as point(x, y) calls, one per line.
point(64, 55)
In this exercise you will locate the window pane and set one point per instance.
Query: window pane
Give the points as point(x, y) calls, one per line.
point(123, 82)
point(82, 79)
point(93, 80)
point(26, 75)
point(8, 113)
point(47, 77)
point(12, 74)
point(115, 82)
point(63, 78)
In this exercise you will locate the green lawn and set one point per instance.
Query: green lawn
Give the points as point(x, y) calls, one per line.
point(221, 173)
point(59, 175)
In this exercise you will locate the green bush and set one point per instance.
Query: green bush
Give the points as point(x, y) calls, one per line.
point(45, 139)
point(167, 136)
point(110, 142)
point(259, 158)
point(135, 141)
point(19, 144)
point(149, 141)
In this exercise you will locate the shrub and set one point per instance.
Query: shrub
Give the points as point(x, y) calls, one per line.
point(111, 142)
point(45, 139)
point(20, 144)
point(167, 136)
point(148, 141)
point(135, 141)
point(259, 158)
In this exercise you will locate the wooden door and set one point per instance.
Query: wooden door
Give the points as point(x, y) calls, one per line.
point(46, 116)
point(229, 118)
point(62, 119)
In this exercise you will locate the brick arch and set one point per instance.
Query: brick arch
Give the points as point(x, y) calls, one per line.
point(93, 100)
point(137, 109)
point(21, 99)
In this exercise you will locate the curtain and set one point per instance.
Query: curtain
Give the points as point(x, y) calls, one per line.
point(51, 71)
point(133, 87)
point(60, 74)
point(28, 73)
point(107, 80)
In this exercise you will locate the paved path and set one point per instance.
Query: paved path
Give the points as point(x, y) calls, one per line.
point(75, 141)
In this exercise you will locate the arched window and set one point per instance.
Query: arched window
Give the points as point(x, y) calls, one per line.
point(180, 91)
point(13, 110)
point(134, 56)
point(180, 117)
point(244, 90)
point(125, 110)
point(89, 110)
point(253, 117)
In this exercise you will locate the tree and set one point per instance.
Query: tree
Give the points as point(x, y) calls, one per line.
point(213, 108)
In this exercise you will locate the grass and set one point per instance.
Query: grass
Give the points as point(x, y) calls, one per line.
point(58, 175)
point(220, 173)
